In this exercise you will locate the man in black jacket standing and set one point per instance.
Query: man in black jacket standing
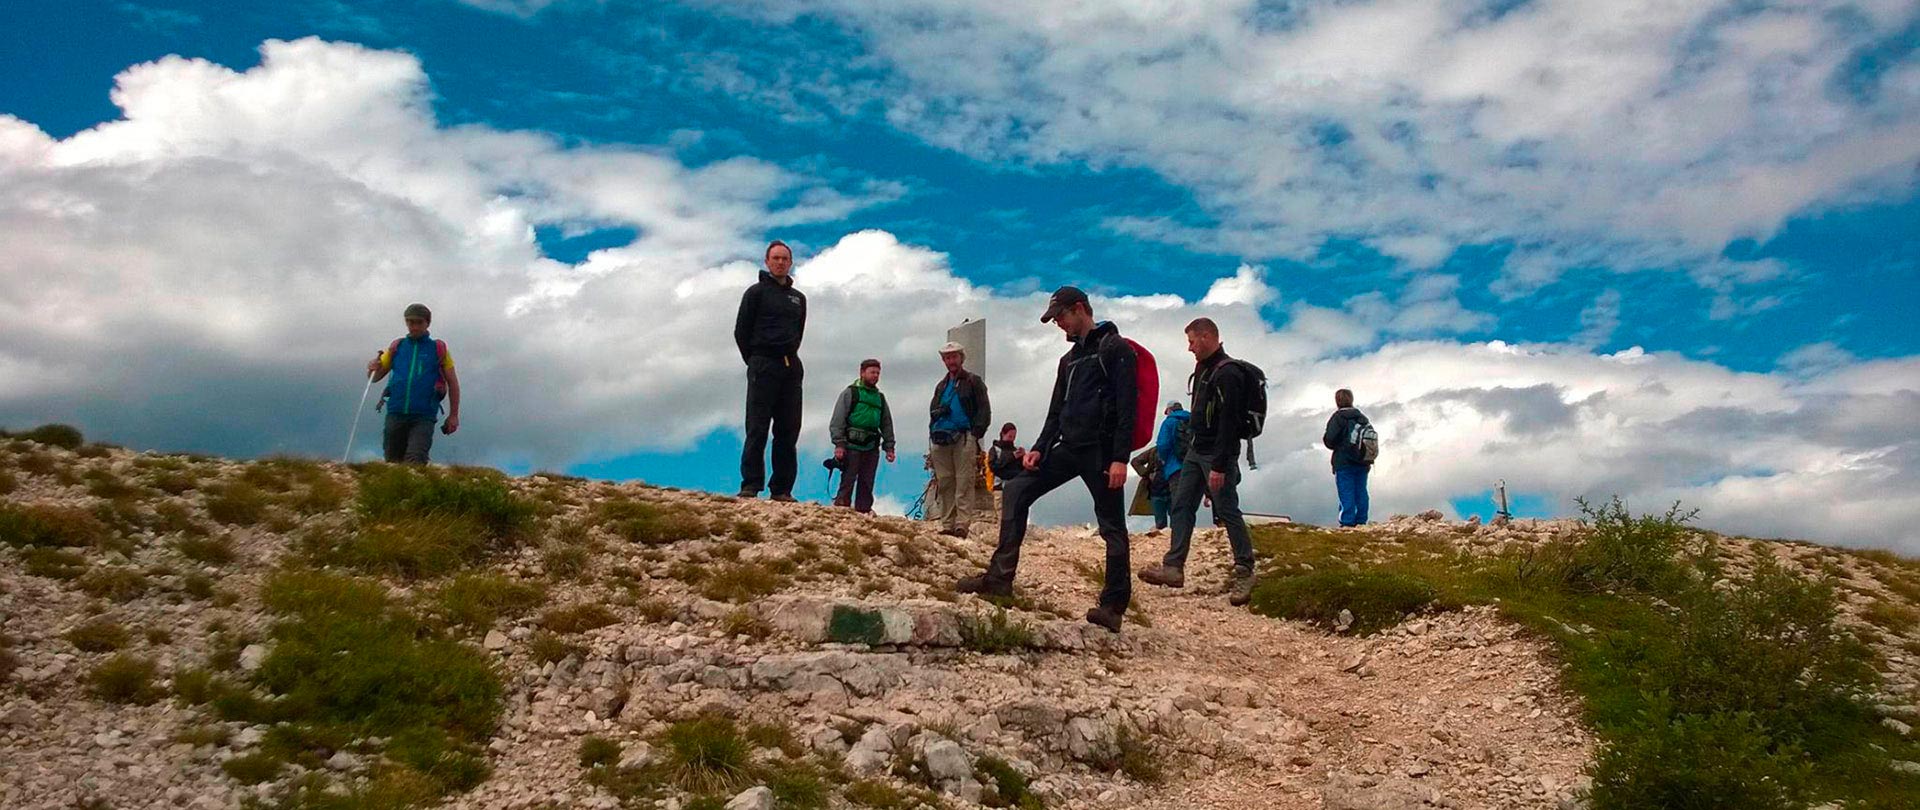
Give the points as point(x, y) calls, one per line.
point(772, 319)
point(1211, 467)
point(1350, 466)
point(1087, 435)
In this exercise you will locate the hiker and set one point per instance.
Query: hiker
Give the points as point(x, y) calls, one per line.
point(958, 417)
point(1211, 467)
point(1150, 497)
point(772, 319)
point(862, 428)
point(1350, 464)
point(1087, 436)
point(1169, 447)
point(1003, 458)
point(422, 374)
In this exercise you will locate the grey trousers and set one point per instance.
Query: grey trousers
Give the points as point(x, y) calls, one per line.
point(1188, 487)
point(408, 437)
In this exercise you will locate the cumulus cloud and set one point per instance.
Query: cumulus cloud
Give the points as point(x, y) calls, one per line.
point(1579, 133)
point(212, 270)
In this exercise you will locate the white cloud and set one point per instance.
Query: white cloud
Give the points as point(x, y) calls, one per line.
point(212, 271)
point(1584, 133)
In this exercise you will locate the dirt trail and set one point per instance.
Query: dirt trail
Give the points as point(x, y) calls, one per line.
point(1457, 710)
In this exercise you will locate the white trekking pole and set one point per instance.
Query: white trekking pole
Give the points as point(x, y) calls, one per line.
point(356, 418)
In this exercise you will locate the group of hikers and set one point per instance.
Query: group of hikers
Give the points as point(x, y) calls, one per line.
point(1089, 433)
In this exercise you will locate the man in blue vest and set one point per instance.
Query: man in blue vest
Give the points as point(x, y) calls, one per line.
point(419, 373)
point(958, 417)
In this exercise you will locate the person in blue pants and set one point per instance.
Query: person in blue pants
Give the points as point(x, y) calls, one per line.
point(1350, 466)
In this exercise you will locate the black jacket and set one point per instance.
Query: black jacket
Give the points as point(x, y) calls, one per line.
point(1219, 400)
point(1001, 461)
point(1093, 397)
point(973, 398)
point(773, 316)
point(1338, 426)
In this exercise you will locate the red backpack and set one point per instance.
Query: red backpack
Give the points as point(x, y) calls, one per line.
point(1146, 390)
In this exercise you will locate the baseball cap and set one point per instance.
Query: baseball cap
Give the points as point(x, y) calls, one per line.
point(1062, 300)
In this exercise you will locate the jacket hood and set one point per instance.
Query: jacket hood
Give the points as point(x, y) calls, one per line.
point(1353, 413)
point(767, 278)
point(1098, 333)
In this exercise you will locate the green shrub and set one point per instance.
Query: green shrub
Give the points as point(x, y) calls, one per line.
point(578, 618)
point(157, 636)
point(174, 482)
point(197, 585)
point(252, 769)
point(1376, 600)
point(53, 563)
point(451, 765)
point(706, 754)
point(597, 750)
point(1620, 551)
point(747, 531)
point(195, 686)
point(649, 524)
point(237, 503)
point(98, 635)
point(548, 648)
point(796, 787)
point(743, 622)
point(742, 582)
point(564, 561)
point(1889, 616)
point(995, 633)
point(1009, 786)
point(206, 550)
point(203, 735)
point(102, 483)
point(1698, 762)
point(125, 678)
point(851, 625)
point(477, 601)
point(1131, 754)
point(875, 793)
point(57, 435)
point(117, 584)
point(410, 547)
point(479, 496)
point(50, 526)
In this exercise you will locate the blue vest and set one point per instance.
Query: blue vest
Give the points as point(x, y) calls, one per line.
point(413, 383)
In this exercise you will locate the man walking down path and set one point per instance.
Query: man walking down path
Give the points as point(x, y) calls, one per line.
point(772, 319)
point(1087, 436)
point(958, 416)
point(862, 428)
point(422, 373)
point(1220, 388)
point(1350, 466)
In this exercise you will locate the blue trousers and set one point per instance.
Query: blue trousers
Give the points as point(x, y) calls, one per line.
point(1351, 482)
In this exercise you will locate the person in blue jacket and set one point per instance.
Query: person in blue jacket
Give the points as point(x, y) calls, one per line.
point(419, 374)
point(1171, 445)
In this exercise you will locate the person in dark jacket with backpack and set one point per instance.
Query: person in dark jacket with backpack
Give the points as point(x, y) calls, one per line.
point(1003, 458)
point(1350, 464)
point(862, 429)
point(772, 319)
point(1221, 386)
point(422, 373)
point(1087, 436)
point(958, 416)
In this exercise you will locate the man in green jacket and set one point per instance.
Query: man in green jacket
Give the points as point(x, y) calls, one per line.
point(862, 427)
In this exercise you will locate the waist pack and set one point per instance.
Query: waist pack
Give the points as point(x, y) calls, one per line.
point(943, 438)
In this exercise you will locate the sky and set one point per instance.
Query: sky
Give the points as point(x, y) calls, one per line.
point(1666, 251)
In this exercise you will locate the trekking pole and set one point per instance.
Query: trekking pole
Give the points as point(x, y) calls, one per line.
point(356, 419)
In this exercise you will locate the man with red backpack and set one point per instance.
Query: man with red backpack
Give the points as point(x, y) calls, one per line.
point(1221, 390)
point(422, 375)
point(1088, 435)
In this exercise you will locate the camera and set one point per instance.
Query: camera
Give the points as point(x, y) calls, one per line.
point(834, 464)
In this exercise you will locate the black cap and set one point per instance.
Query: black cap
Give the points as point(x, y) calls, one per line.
point(418, 311)
point(1062, 300)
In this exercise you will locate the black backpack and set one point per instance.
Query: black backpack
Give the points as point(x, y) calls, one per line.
point(1253, 420)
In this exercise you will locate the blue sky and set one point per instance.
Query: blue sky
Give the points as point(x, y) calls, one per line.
point(1732, 191)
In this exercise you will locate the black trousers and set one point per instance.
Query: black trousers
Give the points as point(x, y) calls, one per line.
point(856, 481)
point(1057, 467)
point(773, 399)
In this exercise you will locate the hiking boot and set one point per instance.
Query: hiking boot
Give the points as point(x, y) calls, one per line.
point(747, 494)
point(786, 497)
point(1105, 617)
point(980, 584)
point(1165, 576)
point(1241, 590)
point(955, 531)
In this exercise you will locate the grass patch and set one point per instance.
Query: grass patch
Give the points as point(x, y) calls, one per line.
point(651, 524)
point(578, 618)
point(707, 754)
point(203, 735)
point(125, 679)
point(477, 601)
point(1131, 754)
point(254, 768)
point(237, 503)
point(1891, 617)
point(1376, 600)
point(995, 633)
point(102, 483)
point(747, 531)
point(548, 648)
point(565, 561)
point(408, 547)
point(98, 636)
point(1008, 787)
point(597, 750)
point(8, 483)
point(743, 622)
point(117, 584)
point(44, 526)
point(205, 550)
point(742, 582)
point(479, 496)
point(53, 563)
